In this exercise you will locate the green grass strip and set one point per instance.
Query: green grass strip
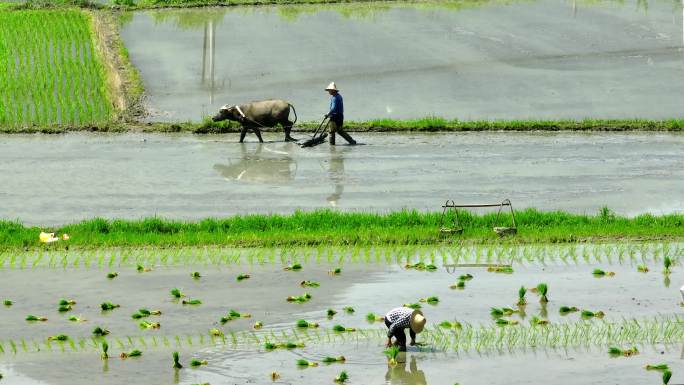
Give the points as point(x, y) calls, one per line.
point(326, 228)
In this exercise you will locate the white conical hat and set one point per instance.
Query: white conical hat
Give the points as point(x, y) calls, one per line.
point(417, 321)
point(331, 87)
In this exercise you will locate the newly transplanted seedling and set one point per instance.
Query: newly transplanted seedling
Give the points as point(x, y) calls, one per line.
point(195, 363)
point(293, 267)
point(601, 273)
point(348, 309)
point(7, 303)
point(142, 313)
point(504, 322)
point(465, 277)
point(232, 314)
point(450, 325)
point(591, 314)
point(299, 299)
point(341, 378)
point(372, 317)
point(613, 351)
point(331, 360)
point(66, 302)
point(64, 308)
point(458, 285)
point(538, 321)
point(412, 305)
point(176, 360)
point(195, 275)
point(176, 293)
point(421, 266)
point(191, 302)
point(430, 300)
point(658, 367)
point(335, 271)
point(501, 312)
point(500, 269)
point(32, 317)
point(309, 284)
point(143, 269)
point(340, 328)
point(667, 262)
point(100, 332)
point(330, 313)
point(305, 324)
point(666, 377)
point(132, 353)
point(543, 290)
point(112, 275)
point(108, 306)
point(564, 310)
point(642, 268)
point(242, 277)
point(305, 363)
point(59, 337)
point(392, 352)
point(149, 325)
point(105, 350)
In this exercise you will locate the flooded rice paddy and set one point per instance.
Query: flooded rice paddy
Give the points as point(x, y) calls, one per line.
point(571, 349)
point(481, 60)
point(57, 179)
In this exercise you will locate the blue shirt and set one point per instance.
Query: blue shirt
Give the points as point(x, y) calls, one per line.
point(336, 105)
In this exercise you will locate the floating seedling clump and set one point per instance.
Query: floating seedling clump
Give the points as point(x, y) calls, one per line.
point(340, 329)
point(565, 310)
point(341, 378)
point(602, 273)
point(143, 269)
point(305, 363)
point(658, 367)
point(591, 314)
point(258, 325)
point(275, 376)
point(450, 325)
point(392, 353)
point(112, 275)
point(412, 305)
point(142, 313)
point(372, 317)
point(667, 375)
point(74, 318)
point(348, 310)
point(458, 285)
point(293, 267)
point(195, 363)
point(504, 322)
point(191, 302)
point(100, 332)
point(216, 333)
point(309, 284)
point(332, 360)
point(613, 351)
point(421, 266)
point(233, 314)
point(176, 360)
point(149, 325)
point(284, 345)
point(176, 293)
point(330, 313)
point(195, 275)
point(64, 308)
point(305, 324)
point(335, 271)
point(32, 317)
point(132, 353)
point(242, 277)
point(500, 269)
point(535, 321)
point(300, 298)
point(543, 290)
point(502, 312)
point(7, 303)
point(108, 306)
point(59, 337)
point(430, 300)
point(642, 268)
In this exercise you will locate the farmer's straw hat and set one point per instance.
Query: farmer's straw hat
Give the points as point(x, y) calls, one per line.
point(331, 87)
point(417, 321)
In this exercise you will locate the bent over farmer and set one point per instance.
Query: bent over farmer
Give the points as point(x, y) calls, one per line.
point(399, 319)
point(336, 115)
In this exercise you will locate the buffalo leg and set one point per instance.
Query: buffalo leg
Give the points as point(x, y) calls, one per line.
point(288, 130)
point(243, 132)
point(258, 134)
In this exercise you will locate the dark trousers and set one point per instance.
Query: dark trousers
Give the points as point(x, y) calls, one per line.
point(400, 335)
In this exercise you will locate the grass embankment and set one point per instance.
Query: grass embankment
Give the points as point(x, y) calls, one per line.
point(335, 228)
point(52, 73)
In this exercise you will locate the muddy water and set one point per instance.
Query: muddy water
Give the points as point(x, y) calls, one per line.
point(58, 179)
point(498, 60)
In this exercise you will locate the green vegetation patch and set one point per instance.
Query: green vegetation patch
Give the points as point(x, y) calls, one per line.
point(52, 75)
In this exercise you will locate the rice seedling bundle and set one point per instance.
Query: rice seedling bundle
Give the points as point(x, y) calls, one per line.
point(392, 352)
point(331, 360)
point(305, 363)
point(615, 352)
point(132, 353)
point(372, 317)
point(52, 74)
point(341, 378)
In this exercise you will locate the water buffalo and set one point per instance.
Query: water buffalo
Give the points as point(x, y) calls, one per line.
point(256, 115)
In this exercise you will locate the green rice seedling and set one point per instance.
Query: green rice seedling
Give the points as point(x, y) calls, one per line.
point(332, 360)
point(242, 277)
point(258, 325)
point(412, 305)
point(504, 322)
point(299, 299)
point(450, 325)
point(64, 302)
point(132, 353)
point(565, 310)
point(601, 273)
point(667, 262)
point(341, 378)
point(305, 324)
point(7, 303)
point(176, 360)
point(100, 332)
point(234, 314)
point(31, 317)
point(667, 375)
point(521, 296)
point(392, 352)
point(196, 363)
point(591, 314)
point(293, 267)
point(543, 290)
point(340, 329)
point(458, 285)
point(195, 275)
point(501, 312)
point(642, 268)
point(613, 351)
point(335, 271)
point(309, 284)
point(105, 350)
point(74, 318)
point(372, 317)
point(59, 337)
point(500, 269)
point(348, 309)
point(216, 332)
point(430, 300)
point(143, 269)
point(535, 321)
point(191, 302)
point(176, 293)
point(421, 266)
point(149, 325)
point(658, 367)
point(465, 277)
point(305, 363)
point(105, 306)
point(64, 308)
point(112, 275)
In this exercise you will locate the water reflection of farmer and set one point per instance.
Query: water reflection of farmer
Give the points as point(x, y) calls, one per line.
point(397, 375)
point(337, 175)
point(336, 115)
point(402, 318)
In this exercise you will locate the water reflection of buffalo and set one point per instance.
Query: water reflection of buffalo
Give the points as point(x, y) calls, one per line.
point(256, 115)
point(264, 165)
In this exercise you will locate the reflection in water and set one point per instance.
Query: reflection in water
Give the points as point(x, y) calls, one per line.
point(336, 174)
point(398, 374)
point(264, 165)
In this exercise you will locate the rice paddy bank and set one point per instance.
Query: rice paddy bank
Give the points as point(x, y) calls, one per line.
point(327, 228)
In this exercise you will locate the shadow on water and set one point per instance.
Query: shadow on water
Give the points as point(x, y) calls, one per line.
point(399, 375)
point(262, 165)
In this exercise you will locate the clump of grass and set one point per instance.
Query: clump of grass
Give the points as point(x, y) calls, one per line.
point(105, 350)
point(176, 360)
point(332, 360)
point(293, 267)
point(504, 322)
point(450, 325)
point(258, 325)
point(591, 314)
point(305, 324)
point(535, 321)
point(543, 290)
point(195, 363)
point(392, 352)
point(500, 269)
point(521, 296)
point(305, 363)
point(667, 263)
point(613, 351)
point(112, 275)
point(59, 337)
point(433, 300)
point(667, 375)
point(149, 325)
point(502, 312)
point(132, 353)
point(242, 277)
point(176, 293)
point(300, 298)
point(412, 305)
point(564, 310)
point(335, 271)
point(32, 317)
point(195, 275)
point(105, 306)
point(100, 331)
point(602, 273)
point(309, 284)
point(341, 378)
point(642, 268)
point(421, 266)
point(191, 302)
point(341, 329)
point(372, 317)
point(348, 309)
point(7, 303)
point(658, 367)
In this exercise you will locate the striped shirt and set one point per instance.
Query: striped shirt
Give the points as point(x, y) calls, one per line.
point(399, 319)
